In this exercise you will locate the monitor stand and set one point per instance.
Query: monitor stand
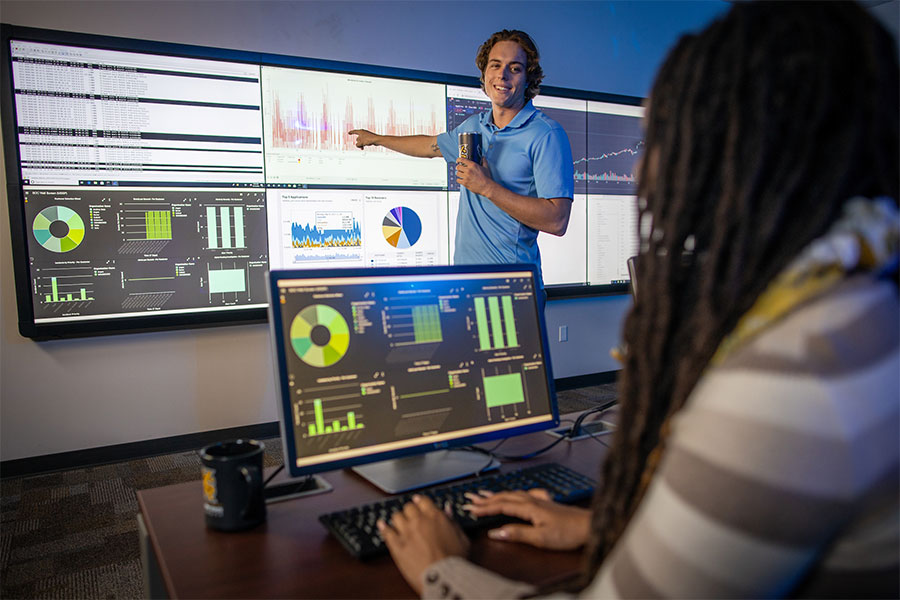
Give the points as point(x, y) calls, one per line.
point(295, 488)
point(414, 472)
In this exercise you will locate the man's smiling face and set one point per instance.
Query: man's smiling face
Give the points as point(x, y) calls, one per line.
point(504, 75)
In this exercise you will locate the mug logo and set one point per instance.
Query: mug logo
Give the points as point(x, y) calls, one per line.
point(209, 485)
point(464, 150)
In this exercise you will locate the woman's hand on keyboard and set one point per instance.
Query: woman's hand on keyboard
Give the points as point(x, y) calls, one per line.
point(550, 525)
point(420, 535)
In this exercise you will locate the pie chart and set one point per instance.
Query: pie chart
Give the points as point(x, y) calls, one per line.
point(401, 227)
point(58, 229)
point(319, 335)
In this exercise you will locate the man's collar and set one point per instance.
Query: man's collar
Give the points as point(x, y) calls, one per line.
point(521, 118)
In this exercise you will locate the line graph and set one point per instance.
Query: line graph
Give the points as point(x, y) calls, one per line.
point(614, 146)
point(575, 124)
point(624, 158)
point(322, 234)
point(331, 229)
point(307, 116)
point(311, 127)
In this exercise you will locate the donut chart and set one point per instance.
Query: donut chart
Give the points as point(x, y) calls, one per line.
point(58, 229)
point(319, 335)
point(401, 227)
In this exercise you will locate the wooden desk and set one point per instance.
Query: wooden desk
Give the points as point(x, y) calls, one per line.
point(292, 555)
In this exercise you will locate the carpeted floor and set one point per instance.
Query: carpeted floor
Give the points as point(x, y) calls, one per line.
point(73, 534)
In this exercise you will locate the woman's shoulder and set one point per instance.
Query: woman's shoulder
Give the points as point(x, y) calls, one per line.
point(848, 328)
point(818, 387)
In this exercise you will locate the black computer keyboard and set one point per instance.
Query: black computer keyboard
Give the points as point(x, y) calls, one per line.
point(355, 527)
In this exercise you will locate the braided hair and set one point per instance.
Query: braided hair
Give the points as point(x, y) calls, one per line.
point(758, 130)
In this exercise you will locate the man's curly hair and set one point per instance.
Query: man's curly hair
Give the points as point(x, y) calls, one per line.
point(534, 74)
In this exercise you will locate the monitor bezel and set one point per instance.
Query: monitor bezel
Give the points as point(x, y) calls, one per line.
point(279, 357)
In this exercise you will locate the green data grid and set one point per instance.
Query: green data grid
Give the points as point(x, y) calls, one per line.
point(158, 224)
point(500, 390)
point(427, 323)
point(227, 280)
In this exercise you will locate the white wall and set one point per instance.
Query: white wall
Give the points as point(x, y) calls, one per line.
point(68, 395)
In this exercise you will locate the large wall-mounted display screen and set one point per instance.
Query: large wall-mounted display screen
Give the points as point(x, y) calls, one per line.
point(307, 114)
point(152, 185)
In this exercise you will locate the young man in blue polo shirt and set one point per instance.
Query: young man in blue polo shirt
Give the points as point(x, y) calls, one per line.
point(525, 183)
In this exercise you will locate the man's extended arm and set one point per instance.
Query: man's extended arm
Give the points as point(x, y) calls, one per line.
point(420, 146)
point(550, 215)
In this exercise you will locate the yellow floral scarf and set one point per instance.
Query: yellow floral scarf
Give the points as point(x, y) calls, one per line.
point(865, 238)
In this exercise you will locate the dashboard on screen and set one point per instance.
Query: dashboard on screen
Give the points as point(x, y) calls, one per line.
point(375, 364)
point(152, 185)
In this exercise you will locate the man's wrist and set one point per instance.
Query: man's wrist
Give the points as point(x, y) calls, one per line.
point(493, 188)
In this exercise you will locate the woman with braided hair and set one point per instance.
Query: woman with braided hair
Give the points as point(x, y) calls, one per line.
point(757, 446)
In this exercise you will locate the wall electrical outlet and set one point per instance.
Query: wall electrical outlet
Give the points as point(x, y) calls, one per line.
point(564, 333)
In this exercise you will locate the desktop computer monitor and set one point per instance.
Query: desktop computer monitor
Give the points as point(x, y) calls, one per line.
point(384, 363)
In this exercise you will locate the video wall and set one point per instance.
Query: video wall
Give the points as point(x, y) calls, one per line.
point(155, 188)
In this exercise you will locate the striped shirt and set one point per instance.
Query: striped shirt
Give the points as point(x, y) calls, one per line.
point(780, 475)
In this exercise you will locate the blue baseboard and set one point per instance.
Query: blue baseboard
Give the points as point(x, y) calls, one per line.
point(91, 457)
point(578, 381)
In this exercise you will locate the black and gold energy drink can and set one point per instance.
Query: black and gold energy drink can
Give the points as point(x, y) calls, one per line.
point(470, 146)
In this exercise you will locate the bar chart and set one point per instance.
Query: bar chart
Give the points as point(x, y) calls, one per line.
point(345, 422)
point(224, 227)
point(56, 296)
point(59, 287)
point(495, 322)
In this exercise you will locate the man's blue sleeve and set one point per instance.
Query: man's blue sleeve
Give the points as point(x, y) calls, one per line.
point(448, 141)
point(554, 172)
point(448, 145)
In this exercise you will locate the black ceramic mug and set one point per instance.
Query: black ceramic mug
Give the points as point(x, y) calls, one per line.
point(232, 484)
